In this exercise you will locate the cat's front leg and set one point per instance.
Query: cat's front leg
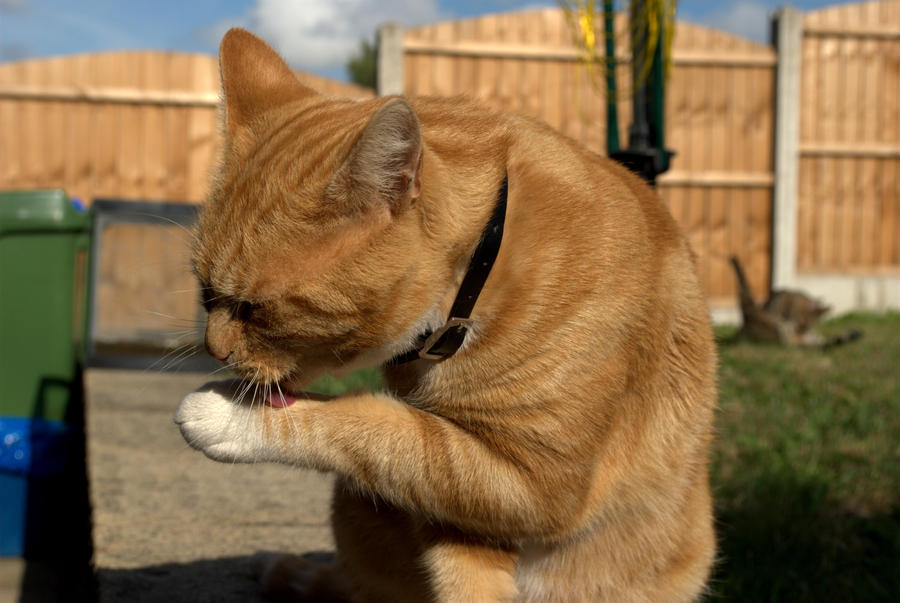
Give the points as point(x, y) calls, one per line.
point(221, 420)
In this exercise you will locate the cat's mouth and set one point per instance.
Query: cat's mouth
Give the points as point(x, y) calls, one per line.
point(279, 398)
point(287, 391)
point(284, 393)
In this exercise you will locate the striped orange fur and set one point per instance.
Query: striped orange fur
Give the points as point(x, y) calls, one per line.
point(561, 454)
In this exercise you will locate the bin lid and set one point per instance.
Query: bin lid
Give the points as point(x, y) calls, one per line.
point(40, 210)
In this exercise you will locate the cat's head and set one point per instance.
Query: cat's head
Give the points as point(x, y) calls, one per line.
point(309, 250)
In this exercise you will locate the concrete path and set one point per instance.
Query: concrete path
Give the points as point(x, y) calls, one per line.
point(170, 524)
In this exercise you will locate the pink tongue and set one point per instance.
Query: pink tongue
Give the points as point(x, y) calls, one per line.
point(279, 400)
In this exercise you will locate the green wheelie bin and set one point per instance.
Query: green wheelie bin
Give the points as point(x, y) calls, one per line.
point(44, 265)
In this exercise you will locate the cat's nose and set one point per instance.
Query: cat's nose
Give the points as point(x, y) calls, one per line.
point(220, 354)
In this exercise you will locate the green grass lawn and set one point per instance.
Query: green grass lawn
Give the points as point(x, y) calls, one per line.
point(805, 469)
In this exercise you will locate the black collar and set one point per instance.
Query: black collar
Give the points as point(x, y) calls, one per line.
point(443, 343)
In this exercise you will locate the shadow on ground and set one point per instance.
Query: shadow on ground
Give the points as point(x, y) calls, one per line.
point(783, 539)
point(206, 581)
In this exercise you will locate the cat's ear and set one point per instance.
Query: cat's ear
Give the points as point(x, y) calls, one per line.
point(254, 79)
point(385, 165)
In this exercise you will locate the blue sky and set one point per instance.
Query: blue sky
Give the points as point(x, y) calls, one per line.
point(313, 35)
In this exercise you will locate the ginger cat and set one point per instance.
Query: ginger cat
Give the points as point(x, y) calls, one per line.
point(560, 454)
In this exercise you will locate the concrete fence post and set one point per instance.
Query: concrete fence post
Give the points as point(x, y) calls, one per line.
point(389, 75)
point(787, 28)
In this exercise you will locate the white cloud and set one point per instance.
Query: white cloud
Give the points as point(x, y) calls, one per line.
point(748, 18)
point(13, 5)
point(320, 35)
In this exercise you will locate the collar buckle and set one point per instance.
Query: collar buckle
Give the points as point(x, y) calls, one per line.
point(444, 342)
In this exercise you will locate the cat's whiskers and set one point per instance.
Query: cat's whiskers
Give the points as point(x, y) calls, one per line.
point(212, 299)
point(294, 429)
point(172, 357)
point(179, 349)
point(172, 317)
point(179, 335)
point(179, 354)
point(257, 401)
point(167, 219)
point(224, 367)
point(267, 392)
point(254, 397)
point(247, 386)
point(181, 291)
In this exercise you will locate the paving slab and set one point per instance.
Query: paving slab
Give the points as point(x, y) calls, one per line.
point(168, 523)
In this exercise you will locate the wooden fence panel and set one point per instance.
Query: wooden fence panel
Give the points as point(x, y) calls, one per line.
point(125, 125)
point(719, 121)
point(719, 117)
point(848, 199)
point(110, 125)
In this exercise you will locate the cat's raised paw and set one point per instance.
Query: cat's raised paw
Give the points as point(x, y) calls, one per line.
point(223, 429)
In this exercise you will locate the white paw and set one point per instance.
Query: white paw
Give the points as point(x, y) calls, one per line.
point(224, 430)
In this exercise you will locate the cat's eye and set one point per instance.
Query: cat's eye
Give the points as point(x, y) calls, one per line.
point(245, 311)
point(207, 299)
